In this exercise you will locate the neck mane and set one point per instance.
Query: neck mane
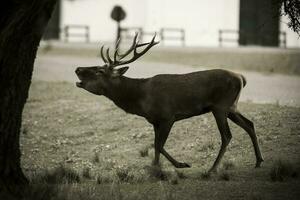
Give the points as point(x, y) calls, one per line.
point(127, 93)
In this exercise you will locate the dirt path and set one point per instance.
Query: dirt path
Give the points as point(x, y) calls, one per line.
point(261, 88)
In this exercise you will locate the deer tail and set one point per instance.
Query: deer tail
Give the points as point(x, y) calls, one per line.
point(244, 80)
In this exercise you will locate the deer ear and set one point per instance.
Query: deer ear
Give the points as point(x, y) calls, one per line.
point(122, 70)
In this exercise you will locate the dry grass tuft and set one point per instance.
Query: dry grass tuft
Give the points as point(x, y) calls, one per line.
point(86, 173)
point(180, 174)
point(208, 146)
point(96, 158)
point(104, 179)
point(156, 172)
point(224, 176)
point(174, 180)
point(60, 174)
point(124, 175)
point(227, 165)
point(42, 191)
point(144, 152)
point(115, 191)
point(282, 170)
point(206, 175)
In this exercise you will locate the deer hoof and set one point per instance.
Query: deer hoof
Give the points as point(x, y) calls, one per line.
point(258, 163)
point(212, 171)
point(182, 165)
point(155, 163)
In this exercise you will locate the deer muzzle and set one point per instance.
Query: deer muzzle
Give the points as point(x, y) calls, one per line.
point(78, 72)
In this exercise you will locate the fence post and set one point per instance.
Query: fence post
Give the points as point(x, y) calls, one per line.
point(183, 37)
point(87, 34)
point(66, 30)
point(284, 39)
point(220, 38)
point(162, 36)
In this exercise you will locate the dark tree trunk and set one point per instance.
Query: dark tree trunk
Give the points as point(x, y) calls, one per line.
point(22, 23)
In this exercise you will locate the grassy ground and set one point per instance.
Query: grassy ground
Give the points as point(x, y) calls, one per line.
point(80, 146)
point(269, 60)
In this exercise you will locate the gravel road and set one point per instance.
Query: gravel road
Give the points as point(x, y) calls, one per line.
point(260, 88)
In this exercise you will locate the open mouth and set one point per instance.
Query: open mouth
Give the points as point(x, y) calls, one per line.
point(79, 84)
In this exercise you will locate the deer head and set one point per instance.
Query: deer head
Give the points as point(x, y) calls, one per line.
point(98, 79)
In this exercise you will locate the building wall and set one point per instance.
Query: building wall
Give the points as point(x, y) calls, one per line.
point(96, 14)
point(201, 19)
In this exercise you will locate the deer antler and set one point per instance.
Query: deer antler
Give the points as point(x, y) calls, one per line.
point(117, 61)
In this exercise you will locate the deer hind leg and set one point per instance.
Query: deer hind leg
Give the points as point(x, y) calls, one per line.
point(221, 119)
point(162, 131)
point(248, 126)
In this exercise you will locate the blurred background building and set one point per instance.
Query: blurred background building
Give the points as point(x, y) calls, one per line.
point(190, 22)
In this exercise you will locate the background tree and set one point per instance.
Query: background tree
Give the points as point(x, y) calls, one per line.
point(291, 9)
point(118, 14)
point(22, 23)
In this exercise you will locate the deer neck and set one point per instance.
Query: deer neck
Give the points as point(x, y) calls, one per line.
point(127, 93)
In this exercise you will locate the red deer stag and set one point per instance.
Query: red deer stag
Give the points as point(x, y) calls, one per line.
point(167, 98)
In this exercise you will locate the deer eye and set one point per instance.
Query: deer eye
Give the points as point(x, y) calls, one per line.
point(99, 72)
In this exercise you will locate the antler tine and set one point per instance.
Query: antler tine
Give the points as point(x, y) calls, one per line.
point(152, 41)
point(116, 50)
point(150, 44)
point(118, 42)
point(116, 55)
point(136, 55)
point(140, 45)
point(102, 56)
point(110, 62)
point(131, 48)
point(135, 44)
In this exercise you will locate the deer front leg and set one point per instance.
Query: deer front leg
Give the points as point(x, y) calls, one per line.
point(162, 131)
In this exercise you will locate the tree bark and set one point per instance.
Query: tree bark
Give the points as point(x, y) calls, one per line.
point(22, 23)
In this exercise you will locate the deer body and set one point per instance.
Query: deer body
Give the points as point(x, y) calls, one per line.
point(166, 98)
point(176, 96)
point(179, 97)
